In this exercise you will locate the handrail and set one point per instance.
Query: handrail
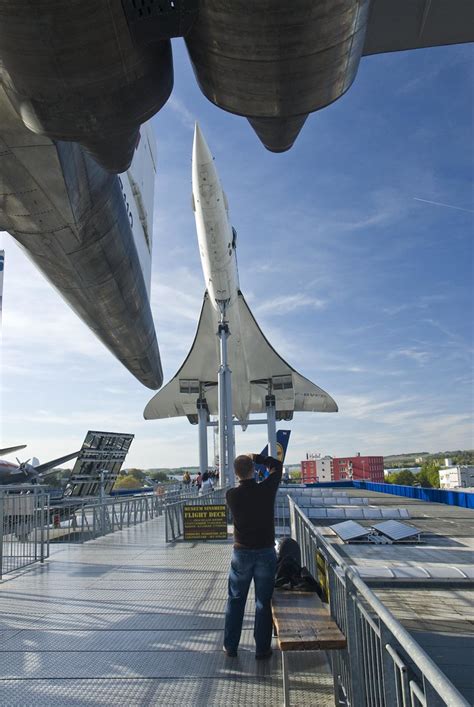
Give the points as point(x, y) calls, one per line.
point(428, 667)
point(372, 643)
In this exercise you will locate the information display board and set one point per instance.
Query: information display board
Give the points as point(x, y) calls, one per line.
point(205, 522)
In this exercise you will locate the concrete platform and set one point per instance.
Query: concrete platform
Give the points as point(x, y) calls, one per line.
point(129, 620)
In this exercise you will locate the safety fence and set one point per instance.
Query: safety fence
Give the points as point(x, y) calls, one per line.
point(464, 499)
point(23, 528)
point(382, 666)
point(29, 522)
point(78, 521)
point(174, 511)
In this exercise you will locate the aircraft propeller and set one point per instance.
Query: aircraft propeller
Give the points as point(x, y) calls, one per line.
point(22, 467)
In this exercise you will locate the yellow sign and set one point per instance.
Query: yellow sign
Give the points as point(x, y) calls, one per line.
point(205, 522)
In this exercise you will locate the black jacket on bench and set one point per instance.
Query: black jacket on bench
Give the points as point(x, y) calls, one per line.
point(253, 508)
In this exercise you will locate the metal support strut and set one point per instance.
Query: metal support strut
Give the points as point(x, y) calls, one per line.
point(202, 419)
point(226, 431)
point(271, 426)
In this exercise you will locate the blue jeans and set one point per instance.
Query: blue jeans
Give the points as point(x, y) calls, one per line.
point(259, 565)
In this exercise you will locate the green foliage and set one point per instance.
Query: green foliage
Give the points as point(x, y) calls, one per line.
point(137, 474)
point(295, 476)
point(404, 478)
point(429, 476)
point(461, 457)
point(127, 481)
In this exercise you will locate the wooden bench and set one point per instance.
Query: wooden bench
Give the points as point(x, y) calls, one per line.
point(302, 623)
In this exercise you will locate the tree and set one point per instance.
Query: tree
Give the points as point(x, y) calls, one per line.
point(429, 474)
point(404, 478)
point(127, 482)
point(137, 474)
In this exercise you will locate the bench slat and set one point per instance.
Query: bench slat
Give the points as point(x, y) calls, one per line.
point(304, 623)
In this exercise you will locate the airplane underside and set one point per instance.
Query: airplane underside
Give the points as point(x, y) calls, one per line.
point(71, 218)
point(92, 71)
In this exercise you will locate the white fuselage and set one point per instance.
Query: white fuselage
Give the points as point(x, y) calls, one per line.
point(214, 231)
point(216, 240)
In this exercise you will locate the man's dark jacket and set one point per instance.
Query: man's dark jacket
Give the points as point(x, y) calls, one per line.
point(253, 508)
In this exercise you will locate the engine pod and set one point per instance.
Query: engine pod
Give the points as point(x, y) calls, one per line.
point(275, 60)
point(73, 72)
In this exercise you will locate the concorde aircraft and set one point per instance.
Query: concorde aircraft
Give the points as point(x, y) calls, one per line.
point(92, 71)
point(257, 369)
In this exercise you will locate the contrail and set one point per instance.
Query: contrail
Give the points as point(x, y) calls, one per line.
point(448, 206)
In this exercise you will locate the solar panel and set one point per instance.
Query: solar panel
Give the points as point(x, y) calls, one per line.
point(317, 512)
point(101, 452)
point(396, 531)
point(350, 530)
point(372, 512)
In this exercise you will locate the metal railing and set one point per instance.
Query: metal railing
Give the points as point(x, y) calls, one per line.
point(382, 666)
point(23, 528)
point(29, 522)
point(81, 520)
point(174, 511)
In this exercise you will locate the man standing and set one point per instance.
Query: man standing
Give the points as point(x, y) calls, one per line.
point(252, 505)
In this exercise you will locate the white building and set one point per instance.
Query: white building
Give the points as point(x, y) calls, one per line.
point(456, 477)
point(324, 469)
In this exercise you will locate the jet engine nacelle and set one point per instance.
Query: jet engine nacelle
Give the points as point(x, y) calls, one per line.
point(276, 64)
point(84, 71)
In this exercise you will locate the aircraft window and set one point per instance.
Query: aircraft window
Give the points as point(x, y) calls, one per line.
point(234, 238)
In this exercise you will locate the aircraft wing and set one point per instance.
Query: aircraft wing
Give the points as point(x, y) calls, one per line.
point(47, 466)
point(9, 450)
point(198, 375)
point(293, 392)
point(178, 397)
point(396, 25)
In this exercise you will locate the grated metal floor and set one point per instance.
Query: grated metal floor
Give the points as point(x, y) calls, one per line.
point(129, 620)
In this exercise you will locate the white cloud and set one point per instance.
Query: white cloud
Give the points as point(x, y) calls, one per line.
point(184, 115)
point(421, 357)
point(288, 303)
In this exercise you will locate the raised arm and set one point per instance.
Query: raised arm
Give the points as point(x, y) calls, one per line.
point(273, 465)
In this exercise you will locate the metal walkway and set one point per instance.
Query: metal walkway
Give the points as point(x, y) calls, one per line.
point(128, 620)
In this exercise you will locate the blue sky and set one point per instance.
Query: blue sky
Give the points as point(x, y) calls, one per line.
point(357, 280)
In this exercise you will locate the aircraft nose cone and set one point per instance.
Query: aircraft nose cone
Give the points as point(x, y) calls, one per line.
point(201, 152)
